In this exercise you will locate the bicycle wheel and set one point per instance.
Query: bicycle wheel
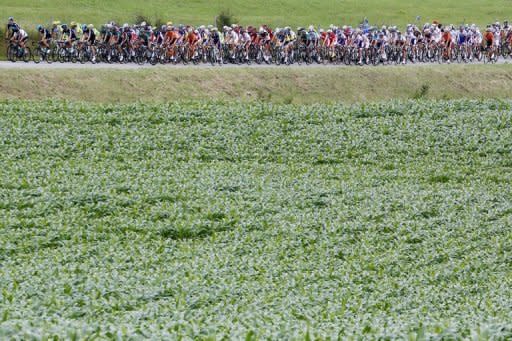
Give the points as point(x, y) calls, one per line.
point(11, 53)
point(27, 54)
point(82, 56)
point(61, 55)
point(53, 55)
point(38, 55)
point(486, 57)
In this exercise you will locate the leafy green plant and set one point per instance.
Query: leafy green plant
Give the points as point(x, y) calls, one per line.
point(255, 221)
point(225, 18)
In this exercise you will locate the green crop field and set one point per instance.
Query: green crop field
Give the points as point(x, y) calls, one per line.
point(277, 13)
point(256, 221)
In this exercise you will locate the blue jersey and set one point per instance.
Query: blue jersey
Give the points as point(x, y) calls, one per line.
point(462, 38)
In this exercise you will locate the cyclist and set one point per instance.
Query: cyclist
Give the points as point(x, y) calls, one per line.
point(44, 36)
point(489, 40)
point(89, 37)
point(231, 39)
point(446, 40)
point(462, 41)
point(380, 44)
point(19, 36)
point(341, 39)
point(436, 34)
point(497, 35)
point(245, 41)
point(115, 37)
point(302, 35)
point(68, 35)
point(265, 38)
point(77, 28)
point(171, 39)
point(11, 24)
point(125, 36)
point(313, 38)
point(508, 35)
point(55, 30)
point(289, 40)
point(216, 40)
point(204, 35)
point(413, 39)
point(192, 40)
point(401, 42)
point(145, 35)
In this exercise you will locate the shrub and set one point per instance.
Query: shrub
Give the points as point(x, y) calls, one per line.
point(140, 18)
point(159, 22)
point(422, 92)
point(225, 18)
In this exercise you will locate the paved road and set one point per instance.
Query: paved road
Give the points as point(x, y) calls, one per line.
point(31, 65)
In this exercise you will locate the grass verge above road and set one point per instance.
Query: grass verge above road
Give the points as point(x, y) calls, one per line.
point(276, 13)
point(297, 85)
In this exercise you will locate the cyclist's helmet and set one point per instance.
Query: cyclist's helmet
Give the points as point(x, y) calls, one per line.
point(64, 26)
point(84, 27)
point(39, 28)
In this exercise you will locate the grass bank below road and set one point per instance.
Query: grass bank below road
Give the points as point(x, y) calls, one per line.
point(280, 85)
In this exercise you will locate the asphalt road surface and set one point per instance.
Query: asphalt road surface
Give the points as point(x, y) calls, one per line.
point(57, 65)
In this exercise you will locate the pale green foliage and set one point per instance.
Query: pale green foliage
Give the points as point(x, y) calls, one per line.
point(256, 221)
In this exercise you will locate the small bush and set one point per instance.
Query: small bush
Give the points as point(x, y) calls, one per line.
point(288, 99)
point(159, 22)
point(140, 18)
point(422, 92)
point(225, 18)
point(264, 96)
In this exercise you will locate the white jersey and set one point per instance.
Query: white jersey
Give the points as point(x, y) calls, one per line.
point(436, 35)
point(497, 38)
point(245, 37)
point(478, 37)
point(231, 38)
point(20, 34)
point(453, 34)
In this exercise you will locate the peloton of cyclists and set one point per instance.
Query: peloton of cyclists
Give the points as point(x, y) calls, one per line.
point(238, 38)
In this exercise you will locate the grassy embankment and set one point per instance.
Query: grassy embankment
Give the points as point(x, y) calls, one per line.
point(280, 85)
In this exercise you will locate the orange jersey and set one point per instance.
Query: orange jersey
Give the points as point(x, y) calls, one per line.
point(171, 35)
point(192, 38)
point(489, 36)
point(447, 36)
